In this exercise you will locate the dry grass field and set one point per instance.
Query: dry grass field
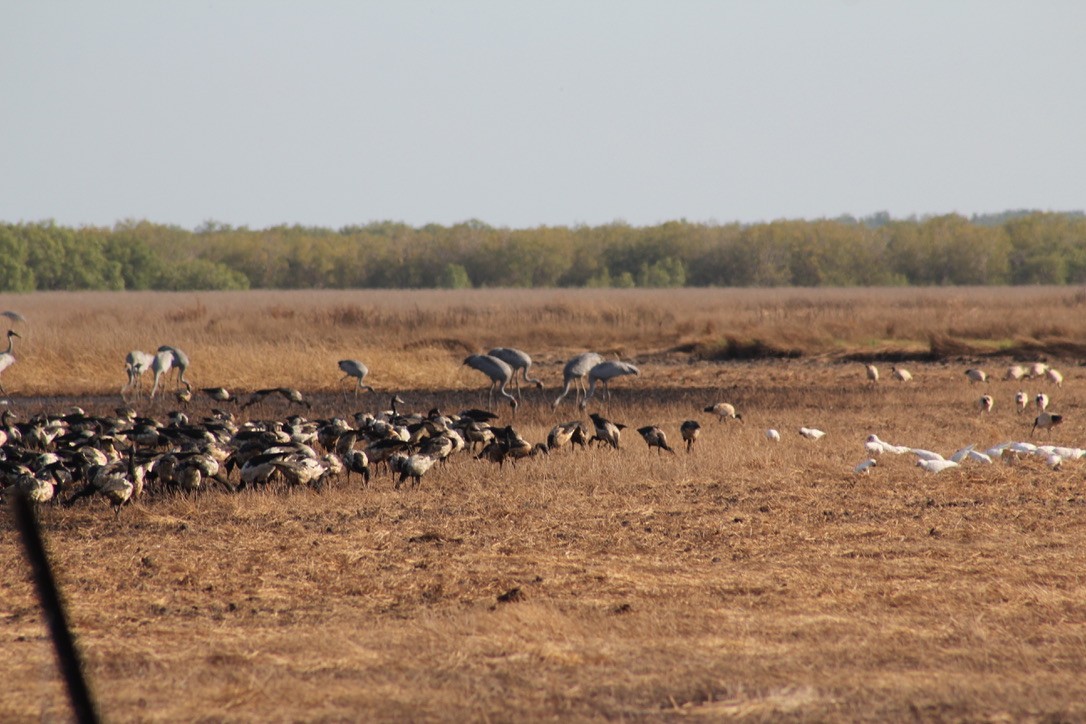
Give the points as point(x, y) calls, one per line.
point(746, 580)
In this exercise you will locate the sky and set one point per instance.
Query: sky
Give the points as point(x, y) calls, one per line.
point(523, 114)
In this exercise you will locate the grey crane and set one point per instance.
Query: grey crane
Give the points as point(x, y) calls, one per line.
point(499, 373)
point(603, 373)
point(136, 363)
point(574, 373)
point(167, 358)
point(354, 368)
point(7, 359)
point(520, 362)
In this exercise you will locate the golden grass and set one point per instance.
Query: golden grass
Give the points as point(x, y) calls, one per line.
point(746, 580)
point(76, 342)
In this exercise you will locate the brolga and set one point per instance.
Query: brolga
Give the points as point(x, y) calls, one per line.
point(136, 363)
point(603, 373)
point(168, 358)
point(574, 372)
point(520, 362)
point(354, 368)
point(499, 373)
point(7, 359)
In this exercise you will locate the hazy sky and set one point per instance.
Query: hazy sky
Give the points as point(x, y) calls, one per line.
point(522, 114)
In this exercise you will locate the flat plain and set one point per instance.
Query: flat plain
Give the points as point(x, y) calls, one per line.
point(744, 580)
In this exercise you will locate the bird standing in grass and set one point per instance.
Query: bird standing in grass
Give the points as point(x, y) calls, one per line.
point(1046, 421)
point(606, 431)
point(1021, 401)
point(811, 433)
point(723, 411)
point(7, 359)
point(872, 373)
point(500, 375)
point(985, 403)
point(354, 368)
point(690, 429)
point(976, 375)
point(901, 375)
point(574, 372)
point(520, 362)
point(603, 373)
point(655, 438)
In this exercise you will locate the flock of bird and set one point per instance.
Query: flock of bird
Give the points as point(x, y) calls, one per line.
point(933, 462)
point(122, 456)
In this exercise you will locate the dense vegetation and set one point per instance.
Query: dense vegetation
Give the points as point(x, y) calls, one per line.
point(1012, 248)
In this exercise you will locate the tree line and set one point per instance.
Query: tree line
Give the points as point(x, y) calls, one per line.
point(1009, 248)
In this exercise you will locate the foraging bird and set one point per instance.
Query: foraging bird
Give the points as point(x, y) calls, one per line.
point(520, 362)
point(1054, 377)
point(936, 466)
point(499, 373)
point(690, 429)
point(1015, 372)
point(1021, 401)
point(655, 437)
point(604, 372)
point(168, 358)
point(354, 368)
point(606, 431)
point(872, 372)
point(976, 375)
point(876, 446)
point(901, 375)
point(1041, 400)
point(772, 435)
point(865, 466)
point(7, 359)
point(811, 433)
point(724, 410)
point(985, 403)
point(219, 394)
point(136, 363)
point(574, 373)
point(1038, 369)
point(288, 393)
point(1046, 420)
point(411, 466)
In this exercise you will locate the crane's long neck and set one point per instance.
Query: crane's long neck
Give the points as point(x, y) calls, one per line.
point(565, 390)
point(11, 344)
point(530, 380)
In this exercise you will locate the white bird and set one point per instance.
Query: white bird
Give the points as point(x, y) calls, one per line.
point(936, 466)
point(1015, 372)
point(1041, 400)
point(963, 453)
point(1054, 377)
point(811, 433)
point(7, 359)
point(724, 411)
point(926, 454)
point(901, 375)
point(1021, 401)
point(985, 403)
point(872, 372)
point(772, 435)
point(136, 363)
point(520, 362)
point(575, 371)
point(354, 368)
point(499, 373)
point(1038, 369)
point(1046, 421)
point(603, 373)
point(877, 447)
point(975, 375)
point(979, 457)
point(865, 466)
